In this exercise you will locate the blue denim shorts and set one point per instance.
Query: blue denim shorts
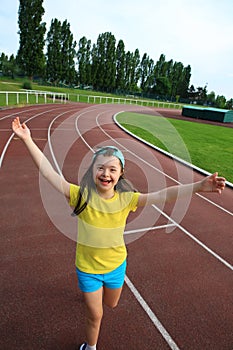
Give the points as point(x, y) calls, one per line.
point(91, 282)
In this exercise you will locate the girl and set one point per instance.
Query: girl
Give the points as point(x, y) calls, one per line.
point(102, 203)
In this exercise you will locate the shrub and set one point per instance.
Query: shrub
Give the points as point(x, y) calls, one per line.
point(27, 85)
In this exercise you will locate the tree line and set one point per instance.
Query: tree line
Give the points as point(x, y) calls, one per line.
point(105, 66)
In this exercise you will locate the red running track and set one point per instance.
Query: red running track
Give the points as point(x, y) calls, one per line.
point(178, 291)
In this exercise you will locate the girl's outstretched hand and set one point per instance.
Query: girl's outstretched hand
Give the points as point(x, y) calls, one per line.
point(21, 130)
point(213, 183)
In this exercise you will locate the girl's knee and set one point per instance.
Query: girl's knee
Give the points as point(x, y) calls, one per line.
point(111, 304)
point(95, 316)
point(111, 297)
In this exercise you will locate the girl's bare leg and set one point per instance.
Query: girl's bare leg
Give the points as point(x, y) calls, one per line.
point(94, 310)
point(94, 313)
point(111, 296)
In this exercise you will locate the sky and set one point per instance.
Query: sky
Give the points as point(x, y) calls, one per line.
point(197, 33)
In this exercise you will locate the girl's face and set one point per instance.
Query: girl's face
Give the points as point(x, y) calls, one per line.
point(106, 173)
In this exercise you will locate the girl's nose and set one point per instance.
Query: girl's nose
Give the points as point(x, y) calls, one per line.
point(106, 172)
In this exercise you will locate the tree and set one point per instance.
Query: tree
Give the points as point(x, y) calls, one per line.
point(12, 66)
point(176, 78)
point(30, 55)
point(159, 67)
point(162, 86)
point(68, 54)
point(60, 53)
point(104, 62)
point(53, 67)
point(171, 77)
point(128, 67)
point(220, 102)
point(229, 104)
point(4, 64)
point(9, 66)
point(144, 67)
point(183, 83)
point(120, 66)
point(146, 73)
point(132, 70)
point(211, 98)
point(135, 70)
point(84, 61)
point(100, 60)
point(94, 67)
point(88, 63)
point(110, 62)
point(202, 94)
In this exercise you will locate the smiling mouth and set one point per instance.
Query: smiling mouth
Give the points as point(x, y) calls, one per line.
point(104, 181)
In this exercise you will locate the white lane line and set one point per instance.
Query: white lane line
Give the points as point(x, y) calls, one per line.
point(132, 153)
point(215, 204)
point(49, 135)
point(50, 144)
point(153, 167)
point(192, 166)
point(5, 149)
point(12, 135)
point(210, 251)
point(139, 298)
point(17, 113)
point(227, 264)
point(132, 288)
point(128, 232)
point(151, 315)
point(33, 109)
point(78, 131)
point(33, 117)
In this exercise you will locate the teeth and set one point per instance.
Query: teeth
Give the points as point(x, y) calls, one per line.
point(105, 180)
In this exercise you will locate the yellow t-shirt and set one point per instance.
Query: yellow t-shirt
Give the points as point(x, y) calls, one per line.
point(100, 241)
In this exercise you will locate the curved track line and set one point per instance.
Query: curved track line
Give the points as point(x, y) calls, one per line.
point(174, 223)
point(130, 285)
point(16, 113)
point(189, 165)
point(176, 159)
point(132, 153)
point(138, 296)
point(12, 135)
point(77, 129)
point(227, 264)
point(50, 144)
point(31, 118)
point(135, 292)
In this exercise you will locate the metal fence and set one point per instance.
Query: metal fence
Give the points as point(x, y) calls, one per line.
point(35, 97)
point(30, 97)
point(121, 100)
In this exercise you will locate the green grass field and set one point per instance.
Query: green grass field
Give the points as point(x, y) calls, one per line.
point(208, 147)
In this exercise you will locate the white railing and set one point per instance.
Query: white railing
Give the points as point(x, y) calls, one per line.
point(96, 99)
point(30, 96)
point(34, 97)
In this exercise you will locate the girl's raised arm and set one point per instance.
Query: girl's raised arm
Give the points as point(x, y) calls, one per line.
point(44, 166)
point(211, 183)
